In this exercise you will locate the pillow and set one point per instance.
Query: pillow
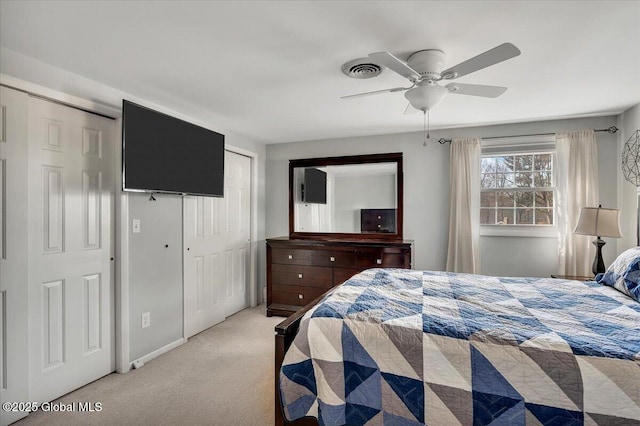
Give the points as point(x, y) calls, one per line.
point(624, 274)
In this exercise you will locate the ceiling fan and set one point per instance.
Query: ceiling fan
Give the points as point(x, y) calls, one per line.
point(424, 69)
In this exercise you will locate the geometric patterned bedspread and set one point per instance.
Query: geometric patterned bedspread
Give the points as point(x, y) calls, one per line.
point(406, 347)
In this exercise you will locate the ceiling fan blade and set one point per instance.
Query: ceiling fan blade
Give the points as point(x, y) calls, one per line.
point(490, 57)
point(394, 64)
point(375, 92)
point(476, 90)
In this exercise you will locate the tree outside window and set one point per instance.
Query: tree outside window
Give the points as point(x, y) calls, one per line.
point(517, 189)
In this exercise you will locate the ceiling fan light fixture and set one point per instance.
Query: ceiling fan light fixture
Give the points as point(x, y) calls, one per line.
point(424, 98)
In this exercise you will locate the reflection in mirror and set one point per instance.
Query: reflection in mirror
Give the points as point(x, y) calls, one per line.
point(351, 198)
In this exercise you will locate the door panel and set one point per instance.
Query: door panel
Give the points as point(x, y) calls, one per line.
point(203, 269)
point(70, 218)
point(53, 324)
point(14, 377)
point(92, 321)
point(52, 209)
point(216, 241)
point(237, 235)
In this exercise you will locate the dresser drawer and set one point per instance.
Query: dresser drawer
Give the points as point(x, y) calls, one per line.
point(380, 258)
point(334, 259)
point(294, 294)
point(378, 220)
point(287, 294)
point(291, 256)
point(340, 275)
point(313, 276)
point(311, 293)
point(300, 270)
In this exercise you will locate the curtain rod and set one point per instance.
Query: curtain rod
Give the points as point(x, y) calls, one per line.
point(612, 130)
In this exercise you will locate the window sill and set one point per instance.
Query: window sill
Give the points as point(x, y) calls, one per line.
point(518, 231)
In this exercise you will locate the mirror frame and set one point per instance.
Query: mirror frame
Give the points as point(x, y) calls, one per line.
point(395, 157)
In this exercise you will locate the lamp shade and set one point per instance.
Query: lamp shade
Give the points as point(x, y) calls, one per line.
point(599, 222)
point(426, 97)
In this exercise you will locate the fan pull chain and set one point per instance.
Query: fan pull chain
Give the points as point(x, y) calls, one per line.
point(426, 127)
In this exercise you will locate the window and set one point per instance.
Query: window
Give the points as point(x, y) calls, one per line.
point(517, 189)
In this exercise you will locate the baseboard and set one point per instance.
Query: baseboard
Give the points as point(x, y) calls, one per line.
point(148, 357)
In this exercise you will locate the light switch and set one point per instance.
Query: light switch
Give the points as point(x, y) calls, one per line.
point(135, 226)
point(146, 319)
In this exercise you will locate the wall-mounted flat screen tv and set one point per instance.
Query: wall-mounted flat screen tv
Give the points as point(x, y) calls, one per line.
point(164, 154)
point(315, 186)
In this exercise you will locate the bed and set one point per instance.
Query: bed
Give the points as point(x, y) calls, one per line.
point(407, 347)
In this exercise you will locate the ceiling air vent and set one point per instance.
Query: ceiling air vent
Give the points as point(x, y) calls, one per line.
point(361, 68)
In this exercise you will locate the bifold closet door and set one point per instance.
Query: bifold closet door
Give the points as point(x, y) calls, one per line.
point(204, 263)
point(237, 231)
point(217, 249)
point(14, 380)
point(70, 219)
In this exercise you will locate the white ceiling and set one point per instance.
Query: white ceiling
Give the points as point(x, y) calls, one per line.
point(270, 70)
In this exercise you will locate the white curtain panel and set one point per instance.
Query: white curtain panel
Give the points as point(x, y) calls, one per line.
point(577, 183)
point(463, 254)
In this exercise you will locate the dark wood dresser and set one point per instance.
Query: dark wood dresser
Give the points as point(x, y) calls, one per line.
point(378, 220)
point(299, 270)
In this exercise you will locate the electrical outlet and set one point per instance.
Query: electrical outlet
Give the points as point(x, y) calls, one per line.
point(146, 319)
point(135, 226)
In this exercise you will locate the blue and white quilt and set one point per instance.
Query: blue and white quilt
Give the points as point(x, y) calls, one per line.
point(405, 347)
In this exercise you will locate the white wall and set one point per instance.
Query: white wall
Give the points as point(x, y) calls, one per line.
point(143, 294)
point(628, 122)
point(353, 193)
point(155, 272)
point(425, 200)
point(426, 191)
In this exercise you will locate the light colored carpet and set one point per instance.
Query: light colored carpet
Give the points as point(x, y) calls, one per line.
point(222, 376)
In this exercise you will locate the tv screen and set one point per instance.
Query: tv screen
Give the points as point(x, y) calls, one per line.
point(161, 153)
point(315, 186)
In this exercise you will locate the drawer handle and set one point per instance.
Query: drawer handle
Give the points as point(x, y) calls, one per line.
point(379, 261)
point(290, 257)
point(379, 217)
point(333, 259)
point(300, 296)
point(300, 276)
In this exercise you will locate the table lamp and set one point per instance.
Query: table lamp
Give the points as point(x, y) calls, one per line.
point(601, 223)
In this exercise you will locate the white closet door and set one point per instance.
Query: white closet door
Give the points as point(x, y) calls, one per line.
point(70, 248)
point(237, 231)
point(203, 263)
point(13, 251)
point(216, 249)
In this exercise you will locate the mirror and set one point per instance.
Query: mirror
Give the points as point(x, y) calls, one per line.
point(351, 197)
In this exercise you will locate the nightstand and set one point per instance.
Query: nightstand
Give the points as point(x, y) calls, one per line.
point(572, 277)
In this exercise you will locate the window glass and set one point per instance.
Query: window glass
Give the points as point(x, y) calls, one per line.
point(517, 189)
